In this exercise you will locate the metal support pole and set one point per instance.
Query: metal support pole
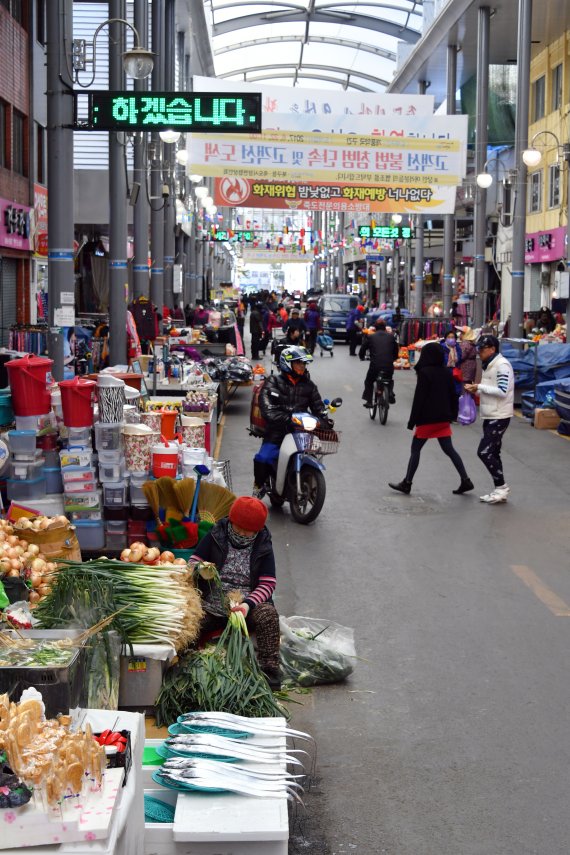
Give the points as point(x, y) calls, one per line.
point(157, 202)
point(170, 159)
point(449, 219)
point(395, 275)
point(59, 17)
point(419, 269)
point(481, 140)
point(566, 152)
point(521, 143)
point(117, 200)
point(419, 247)
point(141, 213)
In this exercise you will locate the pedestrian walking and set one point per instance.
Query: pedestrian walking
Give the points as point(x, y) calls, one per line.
point(313, 322)
point(497, 392)
point(354, 324)
point(468, 355)
point(256, 330)
point(434, 407)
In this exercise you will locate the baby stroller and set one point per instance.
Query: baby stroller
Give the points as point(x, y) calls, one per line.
point(325, 342)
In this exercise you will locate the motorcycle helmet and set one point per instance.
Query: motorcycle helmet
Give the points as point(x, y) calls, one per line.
point(293, 354)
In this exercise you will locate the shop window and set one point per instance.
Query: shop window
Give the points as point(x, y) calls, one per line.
point(538, 88)
point(41, 21)
point(19, 147)
point(41, 171)
point(557, 79)
point(554, 186)
point(535, 194)
point(3, 130)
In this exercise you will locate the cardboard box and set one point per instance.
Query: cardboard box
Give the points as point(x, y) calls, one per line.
point(546, 419)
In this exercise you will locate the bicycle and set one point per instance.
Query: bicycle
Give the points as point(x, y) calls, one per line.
point(380, 398)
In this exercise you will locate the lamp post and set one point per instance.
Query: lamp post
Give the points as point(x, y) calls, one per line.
point(137, 63)
point(532, 157)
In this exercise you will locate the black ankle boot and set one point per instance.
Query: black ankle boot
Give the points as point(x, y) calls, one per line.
point(403, 487)
point(464, 487)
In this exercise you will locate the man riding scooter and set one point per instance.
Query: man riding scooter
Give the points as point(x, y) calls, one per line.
point(384, 351)
point(292, 390)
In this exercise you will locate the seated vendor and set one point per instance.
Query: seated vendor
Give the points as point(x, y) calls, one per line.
point(240, 546)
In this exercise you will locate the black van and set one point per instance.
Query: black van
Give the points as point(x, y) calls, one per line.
point(334, 309)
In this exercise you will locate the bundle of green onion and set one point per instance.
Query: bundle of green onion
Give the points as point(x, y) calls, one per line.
point(159, 604)
point(224, 677)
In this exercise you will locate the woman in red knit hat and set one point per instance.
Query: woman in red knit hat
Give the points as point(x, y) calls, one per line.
point(240, 546)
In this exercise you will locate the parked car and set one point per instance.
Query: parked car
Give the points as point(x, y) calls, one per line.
point(334, 309)
point(386, 315)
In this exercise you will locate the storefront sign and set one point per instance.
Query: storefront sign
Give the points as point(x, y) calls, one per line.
point(385, 232)
point(541, 247)
point(40, 221)
point(409, 153)
point(15, 225)
point(354, 198)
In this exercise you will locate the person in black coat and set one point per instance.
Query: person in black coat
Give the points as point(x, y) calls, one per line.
point(283, 394)
point(384, 351)
point(256, 330)
point(434, 407)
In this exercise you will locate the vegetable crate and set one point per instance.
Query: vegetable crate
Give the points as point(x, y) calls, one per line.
point(140, 682)
point(62, 687)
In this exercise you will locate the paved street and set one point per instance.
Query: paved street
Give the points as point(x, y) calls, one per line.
point(451, 737)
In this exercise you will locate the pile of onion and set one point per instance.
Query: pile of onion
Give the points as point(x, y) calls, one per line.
point(20, 559)
point(140, 553)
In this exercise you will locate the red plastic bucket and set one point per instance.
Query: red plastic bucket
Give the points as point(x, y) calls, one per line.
point(165, 460)
point(29, 384)
point(77, 402)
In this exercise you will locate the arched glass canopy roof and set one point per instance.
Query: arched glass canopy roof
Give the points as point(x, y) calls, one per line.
point(311, 43)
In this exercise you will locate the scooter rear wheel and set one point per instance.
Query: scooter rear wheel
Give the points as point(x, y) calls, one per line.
point(306, 507)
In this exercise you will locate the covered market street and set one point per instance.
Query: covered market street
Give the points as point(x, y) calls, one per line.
point(451, 736)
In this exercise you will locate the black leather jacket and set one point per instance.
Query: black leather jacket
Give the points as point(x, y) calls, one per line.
point(280, 398)
point(383, 350)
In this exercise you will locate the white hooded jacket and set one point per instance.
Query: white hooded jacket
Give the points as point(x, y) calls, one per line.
point(497, 389)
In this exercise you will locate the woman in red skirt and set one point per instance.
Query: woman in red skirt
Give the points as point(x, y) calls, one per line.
point(433, 409)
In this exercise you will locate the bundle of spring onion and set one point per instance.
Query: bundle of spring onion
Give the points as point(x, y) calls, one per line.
point(223, 677)
point(157, 604)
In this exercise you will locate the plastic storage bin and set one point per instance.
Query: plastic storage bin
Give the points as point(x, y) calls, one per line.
point(90, 533)
point(23, 491)
point(78, 474)
point(111, 466)
point(35, 423)
point(136, 491)
point(23, 470)
point(81, 457)
point(115, 493)
point(108, 436)
point(79, 437)
point(115, 534)
point(82, 501)
point(54, 483)
point(87, 514)
point(22, 441)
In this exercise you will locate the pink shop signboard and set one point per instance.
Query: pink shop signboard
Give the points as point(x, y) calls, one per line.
point(15, 225)
point(545, 246)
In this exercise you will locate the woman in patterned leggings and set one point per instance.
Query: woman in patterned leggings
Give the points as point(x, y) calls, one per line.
point(240, 546)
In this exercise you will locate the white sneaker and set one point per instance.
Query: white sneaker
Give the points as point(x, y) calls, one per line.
point(499, 495)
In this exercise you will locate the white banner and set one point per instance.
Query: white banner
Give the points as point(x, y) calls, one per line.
point(408, 153)
point(321, 102)
point(288, 255)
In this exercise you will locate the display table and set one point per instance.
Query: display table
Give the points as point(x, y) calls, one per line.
point(126, 835)
point(212, 824)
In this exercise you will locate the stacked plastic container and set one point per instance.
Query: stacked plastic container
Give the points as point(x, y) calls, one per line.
point(27, 479)
point(114, 482)
point(83, 499)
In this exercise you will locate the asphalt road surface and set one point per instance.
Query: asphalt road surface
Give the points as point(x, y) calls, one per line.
point(452, 736)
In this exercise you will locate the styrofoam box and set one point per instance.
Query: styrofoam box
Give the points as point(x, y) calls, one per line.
point(243, 825)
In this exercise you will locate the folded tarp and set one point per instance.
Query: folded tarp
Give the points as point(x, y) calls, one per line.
point(553, 363)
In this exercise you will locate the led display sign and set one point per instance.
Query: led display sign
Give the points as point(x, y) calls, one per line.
point(222, 235)
point(182, 111)
point(385, 232)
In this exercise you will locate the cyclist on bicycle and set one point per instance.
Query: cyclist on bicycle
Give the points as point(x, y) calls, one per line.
point(383, 353)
